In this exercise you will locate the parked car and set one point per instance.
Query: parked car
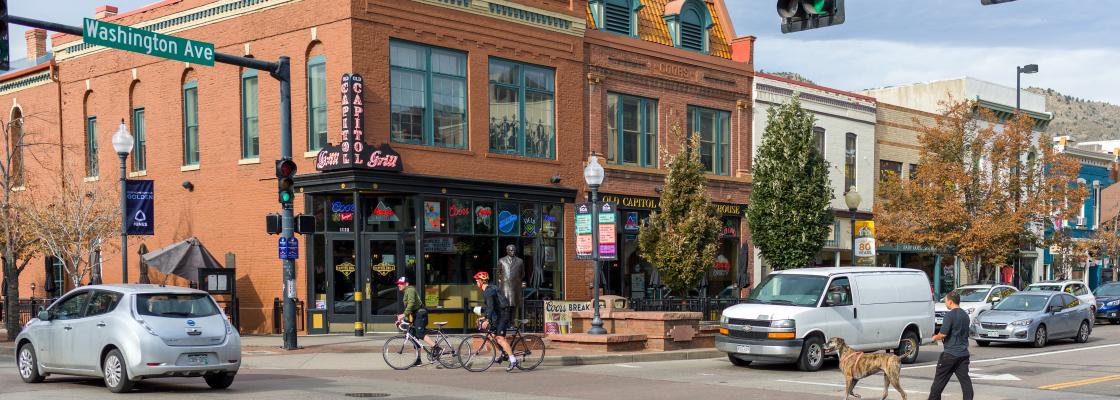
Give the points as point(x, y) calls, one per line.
point(1108, 303)
point(790, 314)
point(125, 333)
point(1035, 317)
point(1076, 288)
point(974, 300)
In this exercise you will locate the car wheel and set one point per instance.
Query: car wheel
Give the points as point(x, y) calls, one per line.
point(812, 355)
point(738, 362)
point(29, 364)
point(1114, 321)
point(219, 381)
point(1082, 333)
point(1039, 337)
point(983, 343)
point(115, 371)
point(908, 348)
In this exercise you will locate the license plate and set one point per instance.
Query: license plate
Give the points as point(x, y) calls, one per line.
point(991, 334)
point(742, 348)
point(938, 320)
point(197, 359)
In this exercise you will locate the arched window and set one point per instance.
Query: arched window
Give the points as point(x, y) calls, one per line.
point(316, 98)
point(15, 143)
point(618, 17)
point(190, 120)
point(693, 28)
point(92, 169)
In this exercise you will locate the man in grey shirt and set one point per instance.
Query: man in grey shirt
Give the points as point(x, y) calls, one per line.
point(954, 359)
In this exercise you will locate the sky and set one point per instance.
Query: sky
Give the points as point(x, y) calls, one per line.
point(898, 42)
point(882, 42)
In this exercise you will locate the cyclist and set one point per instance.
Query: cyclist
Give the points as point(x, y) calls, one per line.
point(415, 313)
point(495, 318)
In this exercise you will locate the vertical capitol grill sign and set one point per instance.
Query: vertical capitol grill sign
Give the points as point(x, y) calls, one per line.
point(351, 150)
point(140, 206)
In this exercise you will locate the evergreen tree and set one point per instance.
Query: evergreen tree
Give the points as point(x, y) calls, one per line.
point(682, 238)
point(788, 213)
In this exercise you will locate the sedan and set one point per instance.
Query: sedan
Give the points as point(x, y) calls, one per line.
point(125, 333)
point(1108, 303)
point(1035, 318)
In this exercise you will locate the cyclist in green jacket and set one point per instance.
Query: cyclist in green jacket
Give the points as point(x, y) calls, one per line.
point(414, 311)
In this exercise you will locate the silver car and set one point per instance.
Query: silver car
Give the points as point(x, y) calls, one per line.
point(125, 333)
point(1034, 317)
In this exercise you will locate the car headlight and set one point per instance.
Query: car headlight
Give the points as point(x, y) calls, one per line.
point(1022, 322)
point(1113, 303)
point(723, 319)
point(782, 324)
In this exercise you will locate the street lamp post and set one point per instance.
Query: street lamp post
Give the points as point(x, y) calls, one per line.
point(852, 199)
point(1019, 71)
point(122, 143)
point(593, 174)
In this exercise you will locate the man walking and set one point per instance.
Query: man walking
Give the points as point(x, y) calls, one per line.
point(954, 359)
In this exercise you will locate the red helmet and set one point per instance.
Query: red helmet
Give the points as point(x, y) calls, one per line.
point(482, 276)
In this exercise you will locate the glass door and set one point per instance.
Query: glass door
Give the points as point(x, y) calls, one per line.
point(343, 277)
point(385, 265)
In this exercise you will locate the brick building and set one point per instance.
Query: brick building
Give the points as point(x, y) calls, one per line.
point(482, 102)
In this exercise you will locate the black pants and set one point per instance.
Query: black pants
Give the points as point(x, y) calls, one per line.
point(947, 366)
point(420, 323)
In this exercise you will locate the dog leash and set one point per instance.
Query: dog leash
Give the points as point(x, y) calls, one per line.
point(858, 354)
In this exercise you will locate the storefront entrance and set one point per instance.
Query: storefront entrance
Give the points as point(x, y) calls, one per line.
point(384, 258)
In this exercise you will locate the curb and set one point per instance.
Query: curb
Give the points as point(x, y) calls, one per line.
point(675, 355)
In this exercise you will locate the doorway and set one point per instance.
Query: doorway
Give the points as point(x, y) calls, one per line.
point(385, 257)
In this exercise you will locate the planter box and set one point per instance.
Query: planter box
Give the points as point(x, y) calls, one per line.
point(663, 330)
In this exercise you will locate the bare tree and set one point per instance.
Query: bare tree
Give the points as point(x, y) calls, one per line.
point(74, 223)
point(19, 244)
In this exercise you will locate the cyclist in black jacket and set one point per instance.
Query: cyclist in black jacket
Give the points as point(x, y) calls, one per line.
point(495, 315)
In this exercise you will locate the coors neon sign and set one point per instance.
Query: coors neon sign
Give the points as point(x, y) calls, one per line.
point(352, 152)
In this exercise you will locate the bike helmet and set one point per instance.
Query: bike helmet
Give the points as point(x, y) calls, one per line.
point(482, 276)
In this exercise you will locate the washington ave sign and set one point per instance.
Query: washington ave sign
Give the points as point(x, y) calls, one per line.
point(147, 42)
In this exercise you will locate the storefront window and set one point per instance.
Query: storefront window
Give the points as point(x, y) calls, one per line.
point(319, 269)
point(339, 211)
point(433, 216)
point(552, 220)
point(509, 219)
point(388, 214)
point(459, 216)
point(723, 273)
point(483, 218)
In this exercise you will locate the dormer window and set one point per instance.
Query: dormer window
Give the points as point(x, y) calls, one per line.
point(688, 22)
point(616, 16)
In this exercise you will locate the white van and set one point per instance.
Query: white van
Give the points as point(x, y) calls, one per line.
point(791, 314)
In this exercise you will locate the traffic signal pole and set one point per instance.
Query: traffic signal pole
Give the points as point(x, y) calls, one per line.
point(281, 71)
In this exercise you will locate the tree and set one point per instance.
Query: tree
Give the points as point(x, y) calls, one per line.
point(681, 238)
point(789, 214)
point(1106, 239)
point(74, 223)
point(980, 188)
point(18, 244)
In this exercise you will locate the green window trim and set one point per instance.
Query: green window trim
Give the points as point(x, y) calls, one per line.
point(139, 133)
point(190, 124)
point(250, 113)
point(433, 81)
point(543, 147)
point(316, 103)
point(690, 29)
point(617, 16)
point(720, 137)
point(645, 132)
point(92, 168)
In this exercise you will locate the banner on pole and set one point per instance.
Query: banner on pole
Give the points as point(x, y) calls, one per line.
point(140, 207)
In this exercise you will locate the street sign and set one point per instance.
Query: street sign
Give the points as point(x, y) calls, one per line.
point(147, 42)
point(608, 235)
point(585, 236)
point(282, 248)
point(288, 248)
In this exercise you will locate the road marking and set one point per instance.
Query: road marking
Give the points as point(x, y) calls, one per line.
point(627, 366)
point(1083, 382)
point(1001, 377)
point(841, 386)
point(1022, 356)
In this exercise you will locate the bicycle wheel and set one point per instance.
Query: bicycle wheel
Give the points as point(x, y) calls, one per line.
point(477, 353)
point(400, 353)
point(449, 356)
point(529, 351)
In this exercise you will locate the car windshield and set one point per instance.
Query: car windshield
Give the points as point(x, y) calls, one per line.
point(789, 289)
point(972, 295)
point(176, 305)
point(1044, 288)
point(1023, 303)
point(1109, 290)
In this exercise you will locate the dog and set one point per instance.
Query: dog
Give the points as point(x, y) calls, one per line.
point(857, 365)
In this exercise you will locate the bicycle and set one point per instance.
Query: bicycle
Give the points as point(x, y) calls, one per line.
point(402, 352)
point(479, 351)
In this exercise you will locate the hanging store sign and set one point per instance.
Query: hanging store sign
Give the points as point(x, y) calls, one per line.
point(585, 232)
point(352, 152)
point(140, 207)
point(608, 232)
point(653, 203)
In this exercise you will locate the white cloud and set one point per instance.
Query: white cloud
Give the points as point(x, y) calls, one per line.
point(854, 64)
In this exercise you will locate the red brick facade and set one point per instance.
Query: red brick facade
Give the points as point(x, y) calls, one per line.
point(230, 195)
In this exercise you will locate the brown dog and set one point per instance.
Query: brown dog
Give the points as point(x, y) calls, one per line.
point(857, 365)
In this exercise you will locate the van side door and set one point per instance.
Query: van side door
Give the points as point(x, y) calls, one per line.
point(839, 314)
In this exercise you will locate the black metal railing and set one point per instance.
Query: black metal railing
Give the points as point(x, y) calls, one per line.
point(29, 308)
point(709, 309)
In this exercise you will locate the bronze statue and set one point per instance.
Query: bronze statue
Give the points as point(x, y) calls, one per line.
point(511, 278)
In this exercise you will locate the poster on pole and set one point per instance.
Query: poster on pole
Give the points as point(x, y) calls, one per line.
point(585, 240)
point(140, 205)
point(608, 235)
point(865, 243)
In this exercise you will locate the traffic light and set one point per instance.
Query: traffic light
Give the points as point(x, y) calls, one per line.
point(800, 15)
point(305, 224)
point(285, 171)
point(990, 2)
point(4, 35)
point(272, 224)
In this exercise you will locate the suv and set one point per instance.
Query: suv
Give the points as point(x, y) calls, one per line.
point(975, 299)
point(1076, 288)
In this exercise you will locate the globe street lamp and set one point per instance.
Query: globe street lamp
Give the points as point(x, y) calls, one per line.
point(593, 174)
point(852, 199)
point(122, 143)
point(1019, 71)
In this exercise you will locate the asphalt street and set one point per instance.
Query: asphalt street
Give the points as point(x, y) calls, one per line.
point(1064, 370)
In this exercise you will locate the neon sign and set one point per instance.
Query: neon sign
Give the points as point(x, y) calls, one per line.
point(351, 152)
